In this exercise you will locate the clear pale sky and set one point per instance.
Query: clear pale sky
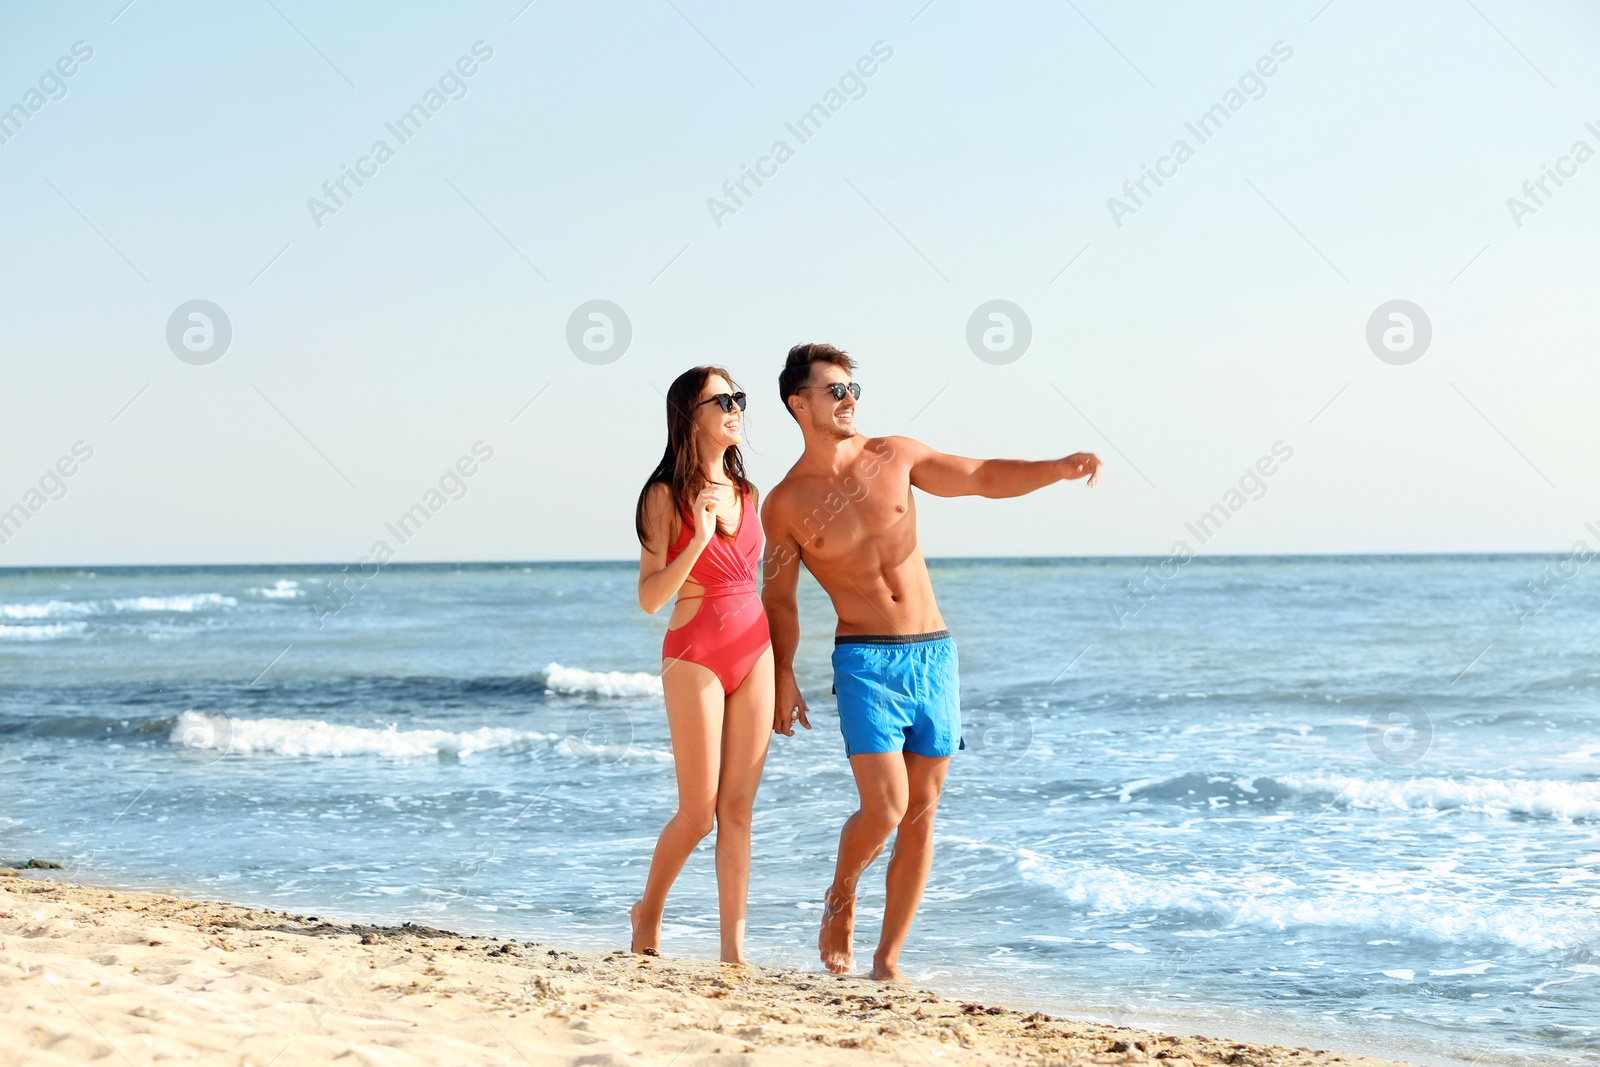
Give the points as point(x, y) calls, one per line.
point(1227, 312)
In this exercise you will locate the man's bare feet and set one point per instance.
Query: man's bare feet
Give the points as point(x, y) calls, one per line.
point(838, 931)
point(888, 972)
point(646, 941)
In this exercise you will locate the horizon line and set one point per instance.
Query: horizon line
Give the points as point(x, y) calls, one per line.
point(931, 560)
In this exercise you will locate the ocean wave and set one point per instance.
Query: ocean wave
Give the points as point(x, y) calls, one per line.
point(182, 602)
point(1537, 797)
point(1276, 902)
point(43, 632)
point(33, 611)
point(185, 602)
point(1211, 788)
point(576, 681)
point(1541, 797)
point(313, 737)
point(87, 727)
point(283, 589)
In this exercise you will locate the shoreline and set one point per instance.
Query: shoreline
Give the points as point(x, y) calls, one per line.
point(93, 972)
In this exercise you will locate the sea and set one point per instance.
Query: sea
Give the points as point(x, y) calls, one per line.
point(1343, 802)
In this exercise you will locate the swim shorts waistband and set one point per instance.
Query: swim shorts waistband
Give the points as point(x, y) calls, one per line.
point(892, 639)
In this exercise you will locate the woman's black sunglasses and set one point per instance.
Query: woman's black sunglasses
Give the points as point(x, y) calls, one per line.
point(725, 401)
point(838, 389)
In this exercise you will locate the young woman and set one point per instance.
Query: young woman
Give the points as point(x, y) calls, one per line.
point(701, 540)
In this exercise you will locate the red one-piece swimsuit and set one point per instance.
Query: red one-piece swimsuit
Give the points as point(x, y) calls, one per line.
point(729, 632)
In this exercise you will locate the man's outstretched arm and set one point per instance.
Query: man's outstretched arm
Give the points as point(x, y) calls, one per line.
point(781, 578)
point(944, 475)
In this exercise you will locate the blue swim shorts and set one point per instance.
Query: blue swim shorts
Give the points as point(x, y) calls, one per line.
point(898, 693)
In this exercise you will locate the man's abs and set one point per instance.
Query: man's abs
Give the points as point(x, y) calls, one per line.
point(871, 597)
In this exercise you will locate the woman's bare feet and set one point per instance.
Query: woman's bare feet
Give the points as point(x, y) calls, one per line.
point(838, 931)
point(888, 971)
point(646, 939)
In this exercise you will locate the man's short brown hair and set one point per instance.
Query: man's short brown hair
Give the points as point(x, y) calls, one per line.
point(797, 368)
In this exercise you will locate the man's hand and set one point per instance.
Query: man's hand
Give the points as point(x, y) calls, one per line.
point(789, 705)
point(1080, 463)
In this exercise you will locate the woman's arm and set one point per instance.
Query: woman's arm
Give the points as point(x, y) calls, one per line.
point(659, 581)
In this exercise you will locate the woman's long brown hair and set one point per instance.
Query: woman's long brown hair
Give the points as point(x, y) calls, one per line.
point(680, 468)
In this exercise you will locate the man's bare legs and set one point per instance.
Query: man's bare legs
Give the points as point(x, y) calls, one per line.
point(898, 791)
point(909, 862)
point(881, 781)
point(746, 731)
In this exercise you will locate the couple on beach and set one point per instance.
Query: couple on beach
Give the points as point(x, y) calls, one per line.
point(846, 511)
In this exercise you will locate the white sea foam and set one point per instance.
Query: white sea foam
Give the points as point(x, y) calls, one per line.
point(284, 589)
point(1475, 968)
point(43, 632)
point(52, 608)
point(1586, 754)
point(34, 611)
point(313, 737)
point(1124, 946)
point(1547, 797)
point(576, 680)
point(182, 602)
point(1359, 903)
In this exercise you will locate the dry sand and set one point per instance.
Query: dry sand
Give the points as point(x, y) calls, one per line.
point(90, 975)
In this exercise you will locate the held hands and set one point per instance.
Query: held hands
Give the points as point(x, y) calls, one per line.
point(1080, 463)
point(789, 705)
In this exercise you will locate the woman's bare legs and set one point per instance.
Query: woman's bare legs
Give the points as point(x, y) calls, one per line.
point(746, 731)
point(694, 700)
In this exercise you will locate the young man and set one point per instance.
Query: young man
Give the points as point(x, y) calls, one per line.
point(846, 511)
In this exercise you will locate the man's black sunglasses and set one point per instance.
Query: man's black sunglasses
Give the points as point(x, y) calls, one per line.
point(838, 389)
point(725, 401)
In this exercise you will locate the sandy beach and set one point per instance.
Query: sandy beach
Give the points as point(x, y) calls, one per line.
point(98, 975)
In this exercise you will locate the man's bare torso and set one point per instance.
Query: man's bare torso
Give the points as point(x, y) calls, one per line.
point(857, 534)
